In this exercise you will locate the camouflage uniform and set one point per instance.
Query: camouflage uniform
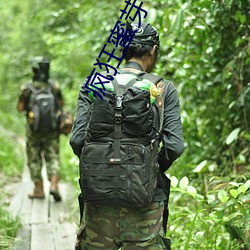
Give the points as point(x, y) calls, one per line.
point(107, 228)
point(48, 145)
point(39, 145)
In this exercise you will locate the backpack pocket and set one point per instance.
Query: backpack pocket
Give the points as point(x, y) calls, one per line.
point(128, 181)
point(138, 114)
point(101, 117)
point(43, 111)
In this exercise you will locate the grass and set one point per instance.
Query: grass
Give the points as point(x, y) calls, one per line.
point(11, 164)
point(69, 162)
point(11, 156)
point(8, 229)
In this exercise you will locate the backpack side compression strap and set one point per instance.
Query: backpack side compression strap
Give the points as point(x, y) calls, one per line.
point(155, 79)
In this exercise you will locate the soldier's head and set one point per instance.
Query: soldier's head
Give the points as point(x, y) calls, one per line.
point(145, 44)
point(40, 67)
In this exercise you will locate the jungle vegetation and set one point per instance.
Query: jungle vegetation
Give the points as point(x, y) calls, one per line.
point(205, 52)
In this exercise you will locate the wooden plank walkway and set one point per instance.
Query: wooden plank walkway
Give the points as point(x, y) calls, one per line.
point(46, 224)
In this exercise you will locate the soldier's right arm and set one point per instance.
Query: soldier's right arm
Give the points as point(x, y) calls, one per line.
point(172, 137)
point(23, 99)
point(20, 106)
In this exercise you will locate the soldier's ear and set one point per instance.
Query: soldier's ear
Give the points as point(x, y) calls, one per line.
point(155, 50)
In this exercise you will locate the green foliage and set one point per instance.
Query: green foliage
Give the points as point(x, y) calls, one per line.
point(69, 163)
point(11, 156)
point(204, 50)
point(217, 220)
point(11, 165)
point(8, 229)
point(9, 225)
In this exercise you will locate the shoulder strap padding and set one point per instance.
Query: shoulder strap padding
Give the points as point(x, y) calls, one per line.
point(121, 89)
point(32, 88)
point(153, 78)
point(35, 90)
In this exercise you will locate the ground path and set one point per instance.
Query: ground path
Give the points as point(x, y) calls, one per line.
point(46, 224)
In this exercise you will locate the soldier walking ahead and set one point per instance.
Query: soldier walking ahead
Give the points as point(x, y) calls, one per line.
point(42, 101)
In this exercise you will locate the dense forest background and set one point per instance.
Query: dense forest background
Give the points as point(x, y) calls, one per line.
point(205, 52)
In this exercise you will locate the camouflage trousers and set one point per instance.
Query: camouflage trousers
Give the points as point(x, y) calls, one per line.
point(43, 149)
point(122, 228)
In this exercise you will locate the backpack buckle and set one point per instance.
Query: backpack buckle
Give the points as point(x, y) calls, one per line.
point(119, 100)
point(118, 118)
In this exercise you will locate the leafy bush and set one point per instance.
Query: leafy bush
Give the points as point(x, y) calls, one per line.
point(205, 51)
point(219, 219)
point(11, 166)
point(11, 156)
point(69, 162)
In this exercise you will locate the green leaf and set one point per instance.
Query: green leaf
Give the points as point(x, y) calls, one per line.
point(243, 19)
point(201, 27)
point(184, 183)
point(210, 198)
point(177, 25)
point(192, 190)
point(240, 17)
point(222, 196)
point(232, 136)
point(174, 181)
point(242, 189)
point(247, 184)
point(200, 167)
point(248, 61)
point(234, 192)
point(234, 216)
point(233, 183)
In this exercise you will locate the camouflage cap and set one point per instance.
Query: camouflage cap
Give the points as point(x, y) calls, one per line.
point(145, 34)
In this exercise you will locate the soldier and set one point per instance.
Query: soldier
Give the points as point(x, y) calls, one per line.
point(109, 226)
point(42, 132)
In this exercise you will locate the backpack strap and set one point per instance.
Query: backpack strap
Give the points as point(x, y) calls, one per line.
point(152, 78)
point(52, 89)
point(119, 90)
point(32, 88)
point(155, 79)
point(35, 90)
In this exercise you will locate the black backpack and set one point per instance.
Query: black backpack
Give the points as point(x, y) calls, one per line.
point(118, 164)
point(43, 109)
